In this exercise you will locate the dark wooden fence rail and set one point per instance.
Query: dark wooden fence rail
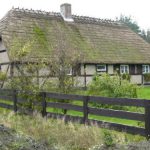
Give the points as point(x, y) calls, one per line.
point(12, 96)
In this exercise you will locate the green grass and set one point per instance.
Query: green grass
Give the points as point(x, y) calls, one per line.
point(144, 92)
point(53, 133)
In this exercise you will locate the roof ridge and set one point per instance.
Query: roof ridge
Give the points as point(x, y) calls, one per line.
point(97, 20)
point(35, 11)
point(78, 18)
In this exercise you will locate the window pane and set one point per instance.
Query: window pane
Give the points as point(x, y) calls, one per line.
point(145, 68)
point(124, 69)
point(101, 67)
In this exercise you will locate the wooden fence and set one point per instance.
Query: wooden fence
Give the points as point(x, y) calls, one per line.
point(85, 109)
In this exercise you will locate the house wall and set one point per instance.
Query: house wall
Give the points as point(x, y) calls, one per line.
point(3, 57)
point(110, 69)
point(1, 46)
point(137, 79)
point(82, 69)
point(91, 70)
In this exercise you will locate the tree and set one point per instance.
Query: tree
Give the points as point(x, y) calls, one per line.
point(130, 23)
point(146, 35)
point(135, 27)
point(26, 72)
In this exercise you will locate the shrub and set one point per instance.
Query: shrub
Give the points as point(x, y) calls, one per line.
point(147, 77)
point(106, 85)
point(2, 76)
point(108, 139)
point(126, 76)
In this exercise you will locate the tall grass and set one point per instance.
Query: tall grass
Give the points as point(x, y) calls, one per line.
point(58, 135)
point(54, 133)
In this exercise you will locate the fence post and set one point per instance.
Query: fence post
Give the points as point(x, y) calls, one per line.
point(15, 100)
point(85, 109)
point(43, 95)
point(147, 121)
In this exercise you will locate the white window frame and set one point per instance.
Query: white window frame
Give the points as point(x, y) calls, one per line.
point(145, 69)
point(101, 70)
point(124, 69)
point(69, 71)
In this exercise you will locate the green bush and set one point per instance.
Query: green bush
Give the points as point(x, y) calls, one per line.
point(111, 86)
point(126, 76)
point(2, 76)
point(108, 139)
point(147, 77)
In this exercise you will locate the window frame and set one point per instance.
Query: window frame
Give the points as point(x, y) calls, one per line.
point(69, 71)
point(124, 69)
point(144, 68)
point(101, 70)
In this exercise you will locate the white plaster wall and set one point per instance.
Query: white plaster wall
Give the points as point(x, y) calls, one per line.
point(110, 69)
point(82, 69)
point(137, 79)
point(90, 69)
point(1, 46)
point(4, 68)
point(4, 58)
point(44, 71)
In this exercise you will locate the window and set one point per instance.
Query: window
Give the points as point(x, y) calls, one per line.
point(101, 68)
point(124, 69)
point(145, 69)
point(69, 71)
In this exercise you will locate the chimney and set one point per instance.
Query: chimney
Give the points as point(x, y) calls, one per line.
point(65, 10)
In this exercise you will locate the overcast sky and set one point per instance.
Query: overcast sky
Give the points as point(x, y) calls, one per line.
point(139, 10)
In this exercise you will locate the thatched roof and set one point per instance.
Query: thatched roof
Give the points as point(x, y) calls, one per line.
point(98, 41)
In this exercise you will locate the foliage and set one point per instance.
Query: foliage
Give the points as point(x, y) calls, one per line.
point(55, 65)
point(130, 23)
point(147, 77)
point(125, 76)
point(145, 35)
point(127, 20)
point(2, 76)
point(108, 86)
point(108, 139)
point(52, 133)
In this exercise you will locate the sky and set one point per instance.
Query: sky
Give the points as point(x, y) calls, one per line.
point(139, 10)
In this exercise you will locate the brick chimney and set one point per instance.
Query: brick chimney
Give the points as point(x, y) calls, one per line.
point(65, 10)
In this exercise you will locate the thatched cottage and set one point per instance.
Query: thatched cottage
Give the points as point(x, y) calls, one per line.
point(105, 45)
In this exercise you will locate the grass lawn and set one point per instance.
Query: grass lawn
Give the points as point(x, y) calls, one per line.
point(144, 92)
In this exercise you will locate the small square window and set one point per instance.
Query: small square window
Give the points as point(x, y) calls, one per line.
point(124, 69)
point(145, 69)
point(101, 68)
